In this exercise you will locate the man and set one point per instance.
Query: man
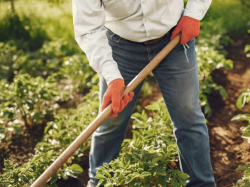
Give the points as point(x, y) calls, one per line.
point(120, 37)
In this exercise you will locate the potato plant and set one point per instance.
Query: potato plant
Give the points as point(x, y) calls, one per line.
point(10, 58)
point(44, 62)
point(144, 160)
point(210, 56)
point(247, 47)
point(49, 58)
point(205, 88)
point(241, 101)
point(76, 69)
point(28, 101)
point(59, 134)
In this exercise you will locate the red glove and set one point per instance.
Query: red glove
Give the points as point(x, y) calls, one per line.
point(189, 28)
point(113, 95)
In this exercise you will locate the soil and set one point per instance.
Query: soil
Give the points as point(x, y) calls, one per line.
point(20, 147)
point(228, 149)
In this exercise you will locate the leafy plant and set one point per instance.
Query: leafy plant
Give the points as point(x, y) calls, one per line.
point(22, 27)
point(241, 101)
point(59, 134)
point(10, 58)
point(243, 98)
point(44, 62)
point(144, 160)
point(76, 70)
point(28, 101)
point(49, 59)
point(247, 48)
point(147, 89)
point(210, 56)
point(205, 88)
point(29, 172)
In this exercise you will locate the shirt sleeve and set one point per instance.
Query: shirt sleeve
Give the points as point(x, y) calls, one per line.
point(197, 8)
point(90, 34)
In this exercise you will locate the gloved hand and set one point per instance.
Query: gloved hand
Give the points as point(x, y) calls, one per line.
point(113, 95)
point(189, 28)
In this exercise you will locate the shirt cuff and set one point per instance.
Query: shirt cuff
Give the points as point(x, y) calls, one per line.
point(196, 10)
point(111, 72)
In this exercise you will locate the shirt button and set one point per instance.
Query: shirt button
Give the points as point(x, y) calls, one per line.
point(143, 2)
point(145, 19)
point(149, 36)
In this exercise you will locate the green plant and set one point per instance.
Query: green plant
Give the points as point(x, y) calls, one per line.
point(26, 174)
point(144, 160)
point(49, 58)
point(76, 69)
point(245, 2)
point(205, 88)
point(14, 26)
point(210, 56)
point(247, 48)
point(59, 134)
point(29, 101)
point(241, 101)
point(10, 58)
point(147, 89)
point(243, 98)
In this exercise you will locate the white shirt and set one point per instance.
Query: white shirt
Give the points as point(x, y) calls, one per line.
point(135, 20)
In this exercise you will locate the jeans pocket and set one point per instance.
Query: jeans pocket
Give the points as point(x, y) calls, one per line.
point(112, 36)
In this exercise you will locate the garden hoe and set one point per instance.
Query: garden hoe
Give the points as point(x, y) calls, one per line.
point(58, 163)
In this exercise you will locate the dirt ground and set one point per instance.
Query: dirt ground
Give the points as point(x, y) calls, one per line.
point(228, 149)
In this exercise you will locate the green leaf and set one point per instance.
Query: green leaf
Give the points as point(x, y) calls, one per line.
point(182, 181)
point(76, 169)
point(241, 116)
point(161, 172)
point(129, 178)
point(156, 159)
point(37, 116)
point(240, 102)
point(108, 185)
point(146, 174)
point(100, 176)
point(101, 182)
point(107, 173)
point(241, 168)
point(106, 165)
point(175, 183)
point(183, 176)
point(154, 107)
point(18, 129)
point(246, 134)
point(2, 130)
point(162, 180)
point(247, 48)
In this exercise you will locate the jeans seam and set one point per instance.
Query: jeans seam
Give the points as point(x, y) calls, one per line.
point(148, 54)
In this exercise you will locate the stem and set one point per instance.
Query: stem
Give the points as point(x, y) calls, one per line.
point(24, 115)
point(12, 6)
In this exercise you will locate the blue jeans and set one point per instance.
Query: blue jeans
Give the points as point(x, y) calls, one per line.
point(177, 77)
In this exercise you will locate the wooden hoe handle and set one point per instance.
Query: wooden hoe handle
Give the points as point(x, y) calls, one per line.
point(52, 169)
